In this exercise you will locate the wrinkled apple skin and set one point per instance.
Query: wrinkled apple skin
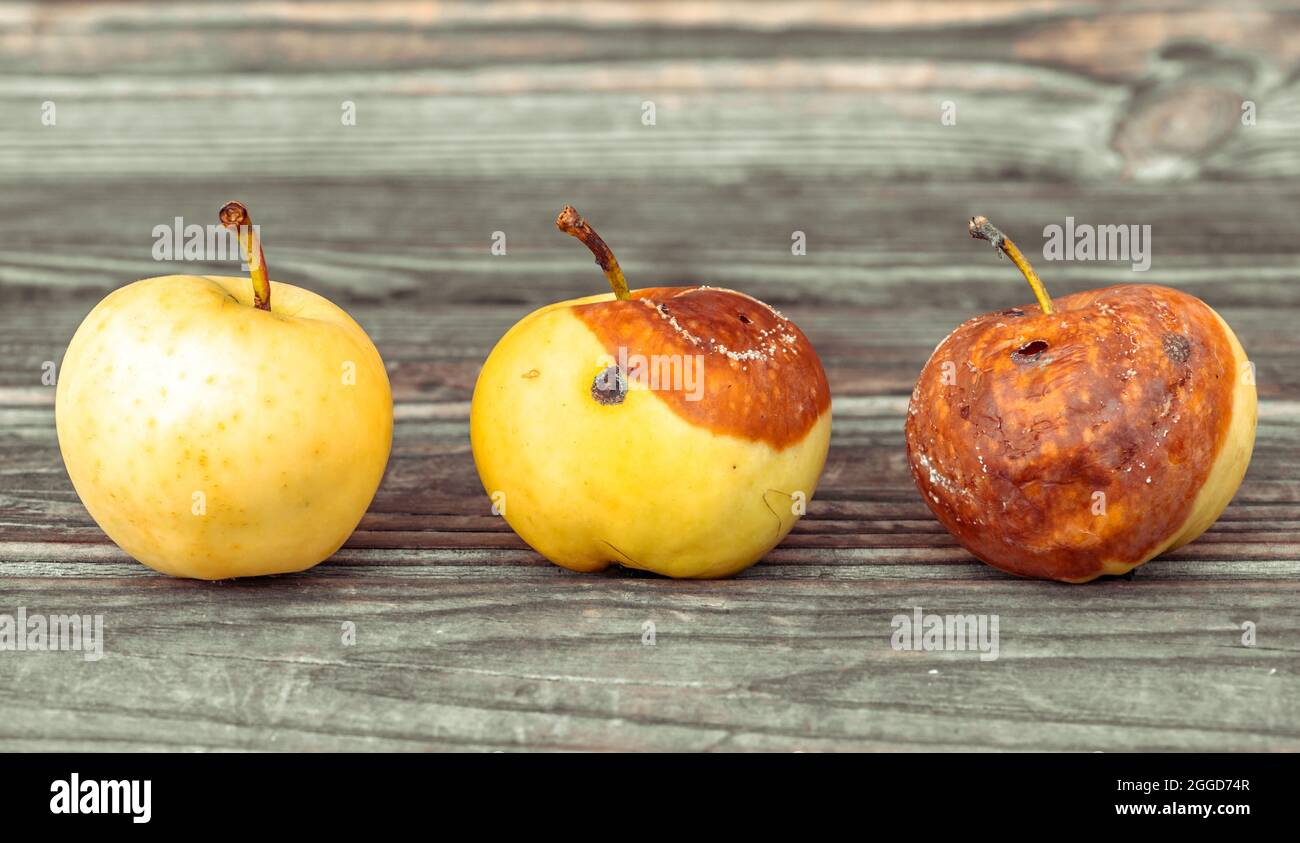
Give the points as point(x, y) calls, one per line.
point(210, 439)
point(655, 482)
point(1122, 436)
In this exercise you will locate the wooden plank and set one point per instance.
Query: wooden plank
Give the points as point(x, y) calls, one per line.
point(521, 659)
point(1083, 131)
point(837, 90)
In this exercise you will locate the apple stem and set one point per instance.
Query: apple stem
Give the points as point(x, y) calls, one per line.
point(235, 215)
point(982, 229)
point(571, 222)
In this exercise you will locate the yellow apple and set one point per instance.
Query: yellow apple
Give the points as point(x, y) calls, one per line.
point(675, 430)
point(211, 435)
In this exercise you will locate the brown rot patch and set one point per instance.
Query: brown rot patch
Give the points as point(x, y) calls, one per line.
point(610, 386)
point(1029, 352)
point(760, 377)
point(1177, 348)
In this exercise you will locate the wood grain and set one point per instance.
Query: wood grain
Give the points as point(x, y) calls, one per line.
point(771, 118)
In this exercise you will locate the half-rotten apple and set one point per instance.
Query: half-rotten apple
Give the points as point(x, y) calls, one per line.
point(678, 430)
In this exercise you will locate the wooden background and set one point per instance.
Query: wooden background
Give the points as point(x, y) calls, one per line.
point(771, 118)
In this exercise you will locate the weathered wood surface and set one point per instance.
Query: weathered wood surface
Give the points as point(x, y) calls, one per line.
point(771, 118)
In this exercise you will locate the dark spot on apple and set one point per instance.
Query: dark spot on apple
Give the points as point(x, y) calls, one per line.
point(743, 318)
point(1013, 311)
point(964, 411)
point(610, 386)
point(1177, 348)
point(1029, 352)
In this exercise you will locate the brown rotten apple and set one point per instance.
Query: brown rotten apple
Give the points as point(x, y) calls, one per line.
point(1082, 436)
point(673, 429)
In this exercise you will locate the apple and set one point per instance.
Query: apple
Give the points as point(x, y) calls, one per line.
point(1085, 435)
point(678, 430)
point(216, 430)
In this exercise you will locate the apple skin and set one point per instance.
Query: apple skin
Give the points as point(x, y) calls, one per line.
point(176, 385)
point(682, 488)
point(1142, 393)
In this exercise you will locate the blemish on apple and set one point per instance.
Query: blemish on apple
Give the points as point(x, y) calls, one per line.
point(609, 387)
point(1029, 352)
point(1176, 347)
